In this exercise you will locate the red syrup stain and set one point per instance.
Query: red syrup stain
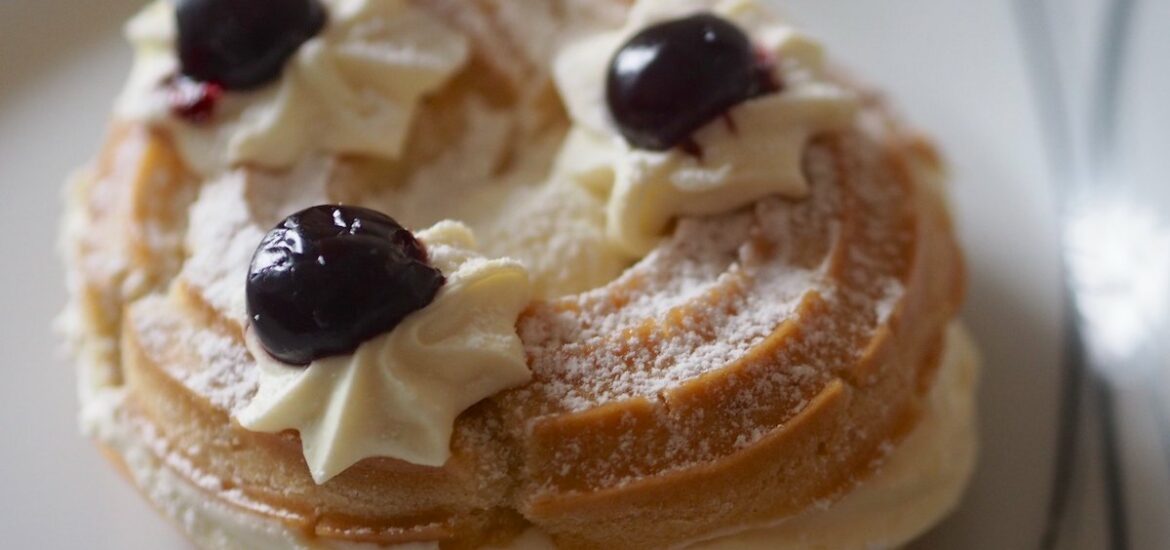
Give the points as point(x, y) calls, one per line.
point(192, 100)
point(729, 121)
point(767, 79)
point(767, 82)
point(692, 148)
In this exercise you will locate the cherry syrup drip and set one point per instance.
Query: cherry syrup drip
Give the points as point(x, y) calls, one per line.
point(768, 82)
point(191, 100)
point(767, 78)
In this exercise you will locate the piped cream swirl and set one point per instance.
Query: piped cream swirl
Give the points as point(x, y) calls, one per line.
point(352, 90)
point(756, 152)
point(398, 395)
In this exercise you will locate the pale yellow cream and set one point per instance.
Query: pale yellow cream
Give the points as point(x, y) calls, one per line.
point(754, 152)
point(398, 395)
point(352, 89)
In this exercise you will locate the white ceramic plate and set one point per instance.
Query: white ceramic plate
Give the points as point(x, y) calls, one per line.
point(954, 66)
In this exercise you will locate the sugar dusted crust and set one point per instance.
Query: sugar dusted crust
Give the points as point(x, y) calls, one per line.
point(754, 366)
point(923, 478)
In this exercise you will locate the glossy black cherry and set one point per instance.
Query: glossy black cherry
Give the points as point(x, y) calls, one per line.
point(673, 77)
point(243, 44)
point(331, 277)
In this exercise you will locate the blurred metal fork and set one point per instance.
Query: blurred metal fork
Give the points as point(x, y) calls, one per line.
point(1116, 254)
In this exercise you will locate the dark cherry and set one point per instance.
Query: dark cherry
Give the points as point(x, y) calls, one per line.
point(243, 44)
point(674, 77)
point(331, 277)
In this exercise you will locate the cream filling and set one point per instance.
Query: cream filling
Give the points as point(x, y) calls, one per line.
point(352, 89)
point(753, 152)
point(921, 481)
point(398, 395)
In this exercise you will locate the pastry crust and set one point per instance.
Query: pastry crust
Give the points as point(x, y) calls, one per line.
point(918, 482)
point(755, 366)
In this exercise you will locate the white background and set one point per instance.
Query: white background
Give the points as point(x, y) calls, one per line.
point(954, 67)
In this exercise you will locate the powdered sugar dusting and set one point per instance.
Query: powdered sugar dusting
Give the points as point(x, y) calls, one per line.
point(207, 360)
point(690, 307)
point(228, 378)
point(892, 292)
